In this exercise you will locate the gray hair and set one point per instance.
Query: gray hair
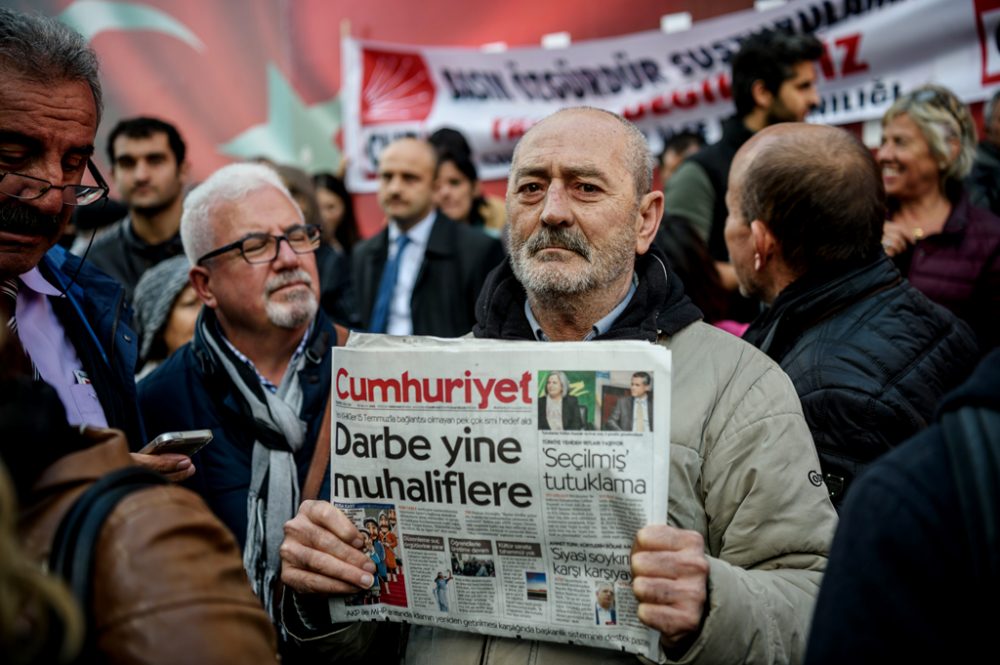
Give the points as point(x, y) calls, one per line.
point(638, 157)
point(563, 381)
point(42, 49)
point(941, 118)
point(223, 188)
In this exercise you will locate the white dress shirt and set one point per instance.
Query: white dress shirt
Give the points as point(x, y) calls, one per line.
point(640, 410)
point(400, 316)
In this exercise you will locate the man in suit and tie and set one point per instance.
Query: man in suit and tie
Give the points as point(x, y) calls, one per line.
point(635, 413)
point(421, 275)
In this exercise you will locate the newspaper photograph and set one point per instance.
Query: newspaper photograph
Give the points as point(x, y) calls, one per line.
point(498, 486)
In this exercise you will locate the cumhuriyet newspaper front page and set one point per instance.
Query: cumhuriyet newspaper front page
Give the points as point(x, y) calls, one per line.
point(498, 486)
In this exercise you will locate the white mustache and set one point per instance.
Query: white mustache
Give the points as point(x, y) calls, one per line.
point(285, 278)
point(548, 237)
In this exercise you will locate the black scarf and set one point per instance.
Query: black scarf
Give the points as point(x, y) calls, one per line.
point(659, 305)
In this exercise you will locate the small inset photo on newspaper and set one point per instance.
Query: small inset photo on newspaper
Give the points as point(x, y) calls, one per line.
point(626, 400)
point(604, 604)
point(472, 558)
point(566, 400)
point(376, 524)
point(537, 584)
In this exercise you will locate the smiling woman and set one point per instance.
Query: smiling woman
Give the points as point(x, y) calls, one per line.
point(948, 248)
point(458, 195)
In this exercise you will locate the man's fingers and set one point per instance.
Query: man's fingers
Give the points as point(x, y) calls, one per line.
point(664, 591)
point(326, 515)
point(317, 540)
point(174, 466)
point(669, 579)
point(305, 581)
point(673, 623)
point(670, 564)
point(316, 571)
point(664, 537)
point(179, 476)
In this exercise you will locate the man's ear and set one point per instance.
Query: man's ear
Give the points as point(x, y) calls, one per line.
point(765, 245)
point(649, 216)
point(201, 282)
point(762, 97)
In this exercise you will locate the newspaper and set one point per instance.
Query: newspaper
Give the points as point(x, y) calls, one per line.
point(498, 486)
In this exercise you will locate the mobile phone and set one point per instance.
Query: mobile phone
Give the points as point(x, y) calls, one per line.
point(185, 443)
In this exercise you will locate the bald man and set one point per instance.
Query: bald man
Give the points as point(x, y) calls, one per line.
point(869, 355)
point(421, 275)
point(732, 576)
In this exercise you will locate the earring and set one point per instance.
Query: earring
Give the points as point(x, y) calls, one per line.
point(756, 261)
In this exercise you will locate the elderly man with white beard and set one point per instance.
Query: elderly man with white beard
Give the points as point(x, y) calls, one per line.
point(257, 372)
point(732, 575)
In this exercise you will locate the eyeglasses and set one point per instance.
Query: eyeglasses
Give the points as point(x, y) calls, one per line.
point(263, 247)
point(29, 188)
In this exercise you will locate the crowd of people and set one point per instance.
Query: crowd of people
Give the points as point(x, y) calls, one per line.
point(832, 316)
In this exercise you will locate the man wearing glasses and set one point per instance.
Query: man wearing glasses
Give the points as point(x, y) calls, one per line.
point(147, 602)
point(257, 372)
point(69, 321)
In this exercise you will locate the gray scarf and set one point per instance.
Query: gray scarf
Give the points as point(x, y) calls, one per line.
point(278, 422)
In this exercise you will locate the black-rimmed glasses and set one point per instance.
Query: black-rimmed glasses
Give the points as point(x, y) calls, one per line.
point(29, 188)
point(264, 247)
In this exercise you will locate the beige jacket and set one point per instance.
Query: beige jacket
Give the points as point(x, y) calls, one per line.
point(744, 474)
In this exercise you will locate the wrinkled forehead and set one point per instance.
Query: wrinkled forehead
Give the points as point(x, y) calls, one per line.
point(58, 117)
point(562, 151)
point(577, 133)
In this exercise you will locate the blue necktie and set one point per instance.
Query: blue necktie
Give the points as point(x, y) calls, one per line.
point(386, 287)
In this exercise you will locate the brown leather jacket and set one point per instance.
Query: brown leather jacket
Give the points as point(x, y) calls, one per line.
point(169, 584)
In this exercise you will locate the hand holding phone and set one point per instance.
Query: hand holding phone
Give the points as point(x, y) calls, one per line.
point(184, 443)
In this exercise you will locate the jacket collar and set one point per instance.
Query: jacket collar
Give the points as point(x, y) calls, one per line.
point(815, 297)
point(659, 305)
point(318, 342)
point(443, 240)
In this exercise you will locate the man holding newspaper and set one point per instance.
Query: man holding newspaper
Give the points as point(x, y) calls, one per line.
point(732, 578)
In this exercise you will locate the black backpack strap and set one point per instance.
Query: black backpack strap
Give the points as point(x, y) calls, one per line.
point(972, 436)
point(72, 556)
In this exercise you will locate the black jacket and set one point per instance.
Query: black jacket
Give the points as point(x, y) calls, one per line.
point(571, 418)
point(716, 160)
point(191, 391)
point(659, 305)
point(456, 263)
point(336, 292)
point(125, 256)
point(983, 182)
point(870, 357)
point(918, 547)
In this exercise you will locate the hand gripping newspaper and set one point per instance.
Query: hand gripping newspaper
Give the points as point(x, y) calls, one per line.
point(498, 486)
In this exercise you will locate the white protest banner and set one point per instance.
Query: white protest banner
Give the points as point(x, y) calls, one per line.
point(875, 50)
point(498, 486)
